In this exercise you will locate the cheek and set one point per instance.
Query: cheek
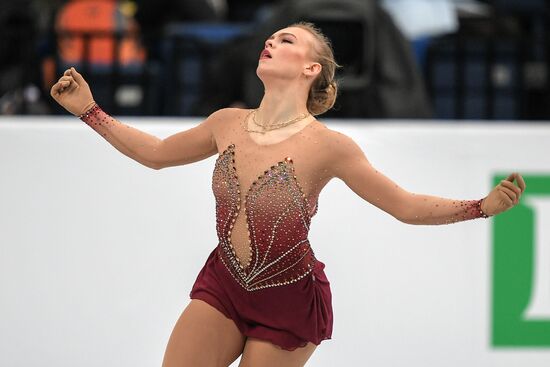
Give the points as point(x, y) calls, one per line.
point(293, 59)
point(294, 55)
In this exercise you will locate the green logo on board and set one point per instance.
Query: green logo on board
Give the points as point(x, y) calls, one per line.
point(521, 268)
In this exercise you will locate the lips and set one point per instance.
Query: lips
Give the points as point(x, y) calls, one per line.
point(265, 54)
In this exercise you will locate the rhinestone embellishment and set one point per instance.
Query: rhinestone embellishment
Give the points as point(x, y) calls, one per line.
point(277, 218)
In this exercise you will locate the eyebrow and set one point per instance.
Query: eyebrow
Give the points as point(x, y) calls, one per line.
point(283, 34)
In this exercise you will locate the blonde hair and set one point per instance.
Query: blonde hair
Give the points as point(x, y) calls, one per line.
point(324, 88)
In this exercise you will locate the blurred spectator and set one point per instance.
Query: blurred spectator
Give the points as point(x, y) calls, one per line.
point(101, 19)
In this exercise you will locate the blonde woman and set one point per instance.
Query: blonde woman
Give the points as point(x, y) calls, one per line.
point(262, 292)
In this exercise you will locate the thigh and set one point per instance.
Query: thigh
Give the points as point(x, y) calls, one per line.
point(263, 353)
point(203, 337)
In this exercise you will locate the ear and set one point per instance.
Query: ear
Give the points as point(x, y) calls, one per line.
point(313, 69)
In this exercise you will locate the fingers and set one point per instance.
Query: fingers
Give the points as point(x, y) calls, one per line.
point(69, 82)
point(521, 182)
point(62, 86)
point(509, 183)
point(66, 82)
point(73, 75)
point(506, 195)
point(76, 75)
point(511, 186)
point(67, 78)
point(56, 89)
point(59, 88)
point(518, 178)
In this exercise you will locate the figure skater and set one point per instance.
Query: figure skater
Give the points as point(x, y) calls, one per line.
point(262, 293)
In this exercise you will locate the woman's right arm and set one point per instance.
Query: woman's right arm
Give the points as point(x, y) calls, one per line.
point(73, 93)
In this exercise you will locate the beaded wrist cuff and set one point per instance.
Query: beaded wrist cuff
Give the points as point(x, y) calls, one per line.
point(481, 213)
point(95, 108)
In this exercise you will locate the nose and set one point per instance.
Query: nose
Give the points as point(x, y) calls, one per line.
point(268, 43)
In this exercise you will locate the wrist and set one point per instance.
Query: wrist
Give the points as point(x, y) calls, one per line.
point(482, 213)
point(92, 116)
point(87, 109)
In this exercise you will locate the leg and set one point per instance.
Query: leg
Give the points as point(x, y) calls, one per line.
point(262, 353)
point(203, 337)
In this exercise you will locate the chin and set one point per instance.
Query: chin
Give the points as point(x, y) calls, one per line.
point(262, 70)
point(266, 73)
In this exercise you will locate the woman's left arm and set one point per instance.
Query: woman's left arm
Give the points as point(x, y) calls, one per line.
point(349, 163)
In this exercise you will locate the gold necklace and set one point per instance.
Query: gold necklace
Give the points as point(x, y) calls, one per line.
point(273, 126)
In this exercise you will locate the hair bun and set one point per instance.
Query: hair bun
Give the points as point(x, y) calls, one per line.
point(322, 100)
point(322, 93)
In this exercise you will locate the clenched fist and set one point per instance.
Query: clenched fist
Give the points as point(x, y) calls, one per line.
point(72, 92)
point(504, 196)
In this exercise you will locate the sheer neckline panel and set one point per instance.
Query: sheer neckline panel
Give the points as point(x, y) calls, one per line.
point(248, 136)
point(286, 161)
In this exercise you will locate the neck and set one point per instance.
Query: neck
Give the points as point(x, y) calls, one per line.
point(281, 103)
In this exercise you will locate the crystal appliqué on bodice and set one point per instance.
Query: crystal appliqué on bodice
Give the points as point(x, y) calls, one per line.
point(277, 214)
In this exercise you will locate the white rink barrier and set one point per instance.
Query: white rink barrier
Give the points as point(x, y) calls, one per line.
point(98, 253)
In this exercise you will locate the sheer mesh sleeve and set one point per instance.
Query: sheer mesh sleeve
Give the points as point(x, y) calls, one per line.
point(427, 209)
point(350, 164)
point(132, 142)
point(181, 148)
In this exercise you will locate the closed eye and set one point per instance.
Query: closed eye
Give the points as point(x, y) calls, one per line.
point(286, 40)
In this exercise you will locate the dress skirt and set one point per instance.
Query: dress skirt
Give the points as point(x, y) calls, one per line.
point(288, 316)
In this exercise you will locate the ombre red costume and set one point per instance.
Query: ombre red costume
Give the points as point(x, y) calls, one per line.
point(263, 273)
point(281, 293)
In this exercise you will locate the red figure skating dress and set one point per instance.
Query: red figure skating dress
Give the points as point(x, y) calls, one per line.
point(280, 293)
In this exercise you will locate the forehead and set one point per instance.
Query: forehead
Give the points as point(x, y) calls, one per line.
point(300, 33)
